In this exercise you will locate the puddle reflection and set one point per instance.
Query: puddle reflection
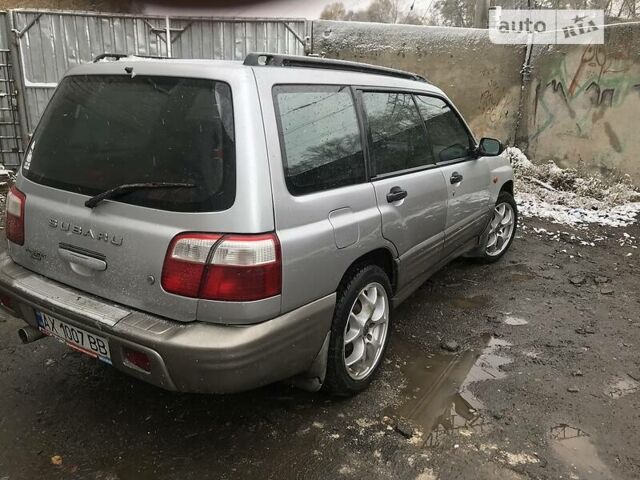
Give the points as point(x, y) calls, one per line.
point(574, 447)
point(437, 398)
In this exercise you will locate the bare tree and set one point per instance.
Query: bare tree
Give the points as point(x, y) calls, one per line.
point(455, 13)
point(381, 11)
point(334, 11)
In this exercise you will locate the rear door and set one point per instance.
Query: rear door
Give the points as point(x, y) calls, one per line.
point(104, 130)
point(466, 176)
point(410, 189)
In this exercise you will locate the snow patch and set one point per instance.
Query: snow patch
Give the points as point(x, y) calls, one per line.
point(518, 458)
point(514, 321)
point(563, 196)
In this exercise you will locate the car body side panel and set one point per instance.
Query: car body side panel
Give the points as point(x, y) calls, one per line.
point(501, 172)
point(468, 201)
point(489, 175)
point(315, 254)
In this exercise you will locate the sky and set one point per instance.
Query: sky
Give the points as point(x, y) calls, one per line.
point(309, 9)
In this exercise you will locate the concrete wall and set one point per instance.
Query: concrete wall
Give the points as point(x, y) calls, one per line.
point(582, 104)
point(481, 78)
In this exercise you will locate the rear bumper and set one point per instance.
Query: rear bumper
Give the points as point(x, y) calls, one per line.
point(189, 357)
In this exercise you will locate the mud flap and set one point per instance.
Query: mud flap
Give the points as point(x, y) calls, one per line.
point(312, 379)
point(478, 251)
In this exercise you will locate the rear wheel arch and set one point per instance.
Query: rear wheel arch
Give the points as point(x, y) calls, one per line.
point(381, 257)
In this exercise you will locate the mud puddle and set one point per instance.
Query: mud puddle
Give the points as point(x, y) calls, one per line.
point(468, 303)
point(521, 277)
point(437, 398)
point(521, 272)
point(574, 447)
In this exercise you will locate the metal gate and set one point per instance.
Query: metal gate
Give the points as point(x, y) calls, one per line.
point(47, 43)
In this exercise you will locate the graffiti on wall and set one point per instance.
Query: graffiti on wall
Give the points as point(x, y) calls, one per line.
point(587, 96)
point(497, 108)
point(601, 78)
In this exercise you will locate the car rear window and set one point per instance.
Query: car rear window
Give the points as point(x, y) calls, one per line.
point(320, 136)
point(102, 131)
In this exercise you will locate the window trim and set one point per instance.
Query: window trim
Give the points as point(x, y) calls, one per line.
point(283, 153)
point(406, 171)
point(372, 176)
point(472, 139)
point(416, 92)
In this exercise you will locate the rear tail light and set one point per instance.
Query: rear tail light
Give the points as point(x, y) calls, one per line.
point(227, 268)
point(15, 216)
point(185, 263)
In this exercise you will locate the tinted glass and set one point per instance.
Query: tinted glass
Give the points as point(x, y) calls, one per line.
point(398, 137)
point(448, 136)
point(320, 138)
point(99, 132)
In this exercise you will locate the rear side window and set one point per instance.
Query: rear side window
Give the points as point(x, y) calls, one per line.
point(102, 131)
point(397, 134)
point(319, 136)
point(448, 136)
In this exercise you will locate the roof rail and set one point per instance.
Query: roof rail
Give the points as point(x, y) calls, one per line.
point(118, 56)
point(275, 60)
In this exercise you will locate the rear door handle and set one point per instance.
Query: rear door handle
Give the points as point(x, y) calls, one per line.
point(396, 194)
point(455, 178)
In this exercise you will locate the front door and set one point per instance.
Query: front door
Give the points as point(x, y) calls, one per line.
point(466, 176)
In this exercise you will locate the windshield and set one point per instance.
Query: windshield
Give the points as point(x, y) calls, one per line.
point(102, 131)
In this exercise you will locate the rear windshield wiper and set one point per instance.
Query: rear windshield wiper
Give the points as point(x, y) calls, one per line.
point(132, 187)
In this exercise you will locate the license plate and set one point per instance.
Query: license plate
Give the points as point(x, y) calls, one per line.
point(74, 337)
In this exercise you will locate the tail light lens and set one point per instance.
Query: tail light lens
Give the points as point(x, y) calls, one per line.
point(15, 216)
point(185, 263)
point(227, 268)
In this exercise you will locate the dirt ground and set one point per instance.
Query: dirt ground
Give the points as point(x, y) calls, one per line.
point(544, 384)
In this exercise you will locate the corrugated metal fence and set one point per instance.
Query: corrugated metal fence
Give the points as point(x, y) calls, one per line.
point(44, 44)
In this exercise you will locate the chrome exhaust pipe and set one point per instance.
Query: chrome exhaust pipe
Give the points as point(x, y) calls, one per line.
point(29, 334)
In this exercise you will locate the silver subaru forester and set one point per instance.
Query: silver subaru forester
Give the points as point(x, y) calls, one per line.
point(211, 226)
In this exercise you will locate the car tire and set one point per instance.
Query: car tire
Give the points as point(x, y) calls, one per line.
point(501, 235)
point(357, 308)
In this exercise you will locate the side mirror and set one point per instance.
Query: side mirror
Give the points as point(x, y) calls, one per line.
point(489, 147)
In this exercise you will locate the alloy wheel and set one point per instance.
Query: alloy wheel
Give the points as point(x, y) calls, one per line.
point(501, 229)
point(366, 331)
